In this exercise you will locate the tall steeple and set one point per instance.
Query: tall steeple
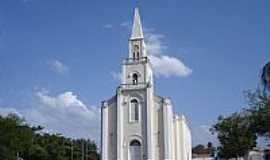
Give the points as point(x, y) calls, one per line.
point(136, 41)
point(137, 32)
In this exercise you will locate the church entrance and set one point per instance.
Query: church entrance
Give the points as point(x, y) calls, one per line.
point(135, 150)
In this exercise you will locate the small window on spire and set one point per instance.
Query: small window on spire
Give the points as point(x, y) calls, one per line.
point(135, 79)
point(136, 51)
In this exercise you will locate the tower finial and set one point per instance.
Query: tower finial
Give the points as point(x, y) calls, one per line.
point(137, 32)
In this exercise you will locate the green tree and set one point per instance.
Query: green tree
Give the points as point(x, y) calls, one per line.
point(259, 105)
point(234, 135)
point(37, 152)
point(15, 136)
point(259, 112)
point(18, 138)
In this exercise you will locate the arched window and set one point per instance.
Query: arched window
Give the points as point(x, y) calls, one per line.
point(135, 150)
point(134, 79)
point(135, 143)
point(134, 110)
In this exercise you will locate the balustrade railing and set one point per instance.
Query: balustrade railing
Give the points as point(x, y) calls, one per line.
point(134, 86)
point(135, 60)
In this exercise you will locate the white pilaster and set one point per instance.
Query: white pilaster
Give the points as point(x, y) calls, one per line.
point(177, 139)
point(173, 137)
point(182, 130)
point(150, 125)
point(167, 126)
point(104, 141)
point(119, 126)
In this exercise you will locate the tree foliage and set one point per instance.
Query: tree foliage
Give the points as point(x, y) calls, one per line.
point(259, 112)
point(259, 105)
point(234, 135)
point(19, 139)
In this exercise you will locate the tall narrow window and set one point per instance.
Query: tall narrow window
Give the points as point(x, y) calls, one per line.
point(134, 55)
point(136, 52)
point(134, 110)
point(134, 79)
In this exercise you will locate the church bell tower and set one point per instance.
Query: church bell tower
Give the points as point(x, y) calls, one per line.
point(135, 97)
point(137, 68)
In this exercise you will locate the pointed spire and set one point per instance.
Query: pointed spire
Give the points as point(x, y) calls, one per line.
point(137, 31)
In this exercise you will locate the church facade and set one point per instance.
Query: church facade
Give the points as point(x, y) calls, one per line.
point(136, 123)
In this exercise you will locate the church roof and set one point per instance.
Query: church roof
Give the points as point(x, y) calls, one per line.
point(137, 31)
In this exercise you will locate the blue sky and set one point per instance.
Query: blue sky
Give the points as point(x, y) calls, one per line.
point(60, 58)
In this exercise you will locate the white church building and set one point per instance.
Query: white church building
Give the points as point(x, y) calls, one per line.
point(137, 124)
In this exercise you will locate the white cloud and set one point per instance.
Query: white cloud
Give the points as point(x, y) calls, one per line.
point(169, 66)
point(58, 67)
point(163, 64)
point(108, 26)
point(154, 43)
point(64, 113)
point(67, 114)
